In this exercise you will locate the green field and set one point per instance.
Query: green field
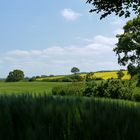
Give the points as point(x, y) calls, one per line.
point(28, 87)
point(44, 117)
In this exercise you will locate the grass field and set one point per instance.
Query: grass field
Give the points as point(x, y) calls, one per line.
point(28, 87)
point(46, 87)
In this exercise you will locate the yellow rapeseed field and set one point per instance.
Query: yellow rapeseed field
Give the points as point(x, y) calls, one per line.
point(103, 75)
point(108, 75)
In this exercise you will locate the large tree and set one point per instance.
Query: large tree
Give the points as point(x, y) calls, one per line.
point(15, 76)
point(128, 46)
point(119, 7)
point(132, 70)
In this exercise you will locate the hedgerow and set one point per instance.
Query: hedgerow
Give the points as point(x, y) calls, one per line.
point(116, 89)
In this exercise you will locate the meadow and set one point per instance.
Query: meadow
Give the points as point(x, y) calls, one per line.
point(28, 87)
point(39, 87)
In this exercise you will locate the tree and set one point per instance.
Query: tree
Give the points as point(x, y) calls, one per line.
point(119, 7)
point(128, 46)
point(132, 70)
point(15, 76)
point(89, 76)
point(75, 70)
point(120, 74)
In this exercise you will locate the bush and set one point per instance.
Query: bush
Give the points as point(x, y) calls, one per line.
point(65, 79)
point(70, 78)
point(138, 82)
point(116, 89)
point(136, 97)
point(98, 78)
point(90, 89)
point(70, 89)
point(32, 79)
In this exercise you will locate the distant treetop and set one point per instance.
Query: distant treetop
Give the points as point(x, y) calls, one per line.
point(15, 76)
point(75, 70)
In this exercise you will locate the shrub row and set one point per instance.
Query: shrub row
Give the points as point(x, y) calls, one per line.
point(112, 88)
point(116, 89)
point(70, 78)
point(61, 118)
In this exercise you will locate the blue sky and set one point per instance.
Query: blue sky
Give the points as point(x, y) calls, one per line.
point(50, 37)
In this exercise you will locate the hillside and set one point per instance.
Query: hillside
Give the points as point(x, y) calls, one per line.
point(104, 75)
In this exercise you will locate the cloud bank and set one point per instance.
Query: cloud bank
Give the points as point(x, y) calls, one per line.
point(95, 54)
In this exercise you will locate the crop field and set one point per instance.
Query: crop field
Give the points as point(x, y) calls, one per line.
point(107, 75)
point(103, 75)
point(25, 117)
point(28, 87)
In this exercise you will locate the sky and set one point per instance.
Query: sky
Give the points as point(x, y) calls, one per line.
point(43, 37)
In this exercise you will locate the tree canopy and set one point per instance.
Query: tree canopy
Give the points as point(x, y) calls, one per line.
point(119, 7)
point(120, 74)
point(15, 76)
point(75, 70)
point(133, 70)
point(128, 46)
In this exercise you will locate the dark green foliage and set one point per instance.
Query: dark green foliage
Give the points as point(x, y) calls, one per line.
point(57, 118)
point(120, 74)
point(119, 7)
point(69, 90)
point(89, 76)
point(116, 89)
point(97, 78)
point(136, 97)
point(75, 77)
point(75, 70)
point(15, 76)
point(32, 79)
point(132, 70)
point(91, 89)
point(128, 46)
point(69, 78)
point(138, 82)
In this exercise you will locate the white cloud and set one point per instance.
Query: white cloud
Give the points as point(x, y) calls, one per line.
point(18, 53)
point(94, 55)
point(105, 40)
point(69, 14)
